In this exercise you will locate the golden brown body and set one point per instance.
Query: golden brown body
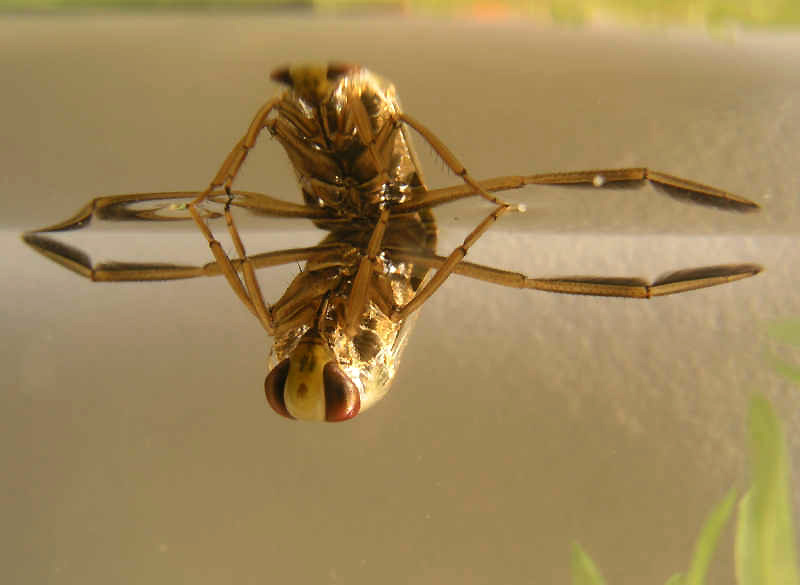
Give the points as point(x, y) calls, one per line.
point(341, 325)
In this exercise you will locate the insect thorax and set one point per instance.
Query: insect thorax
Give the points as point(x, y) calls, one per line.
point(348, 150)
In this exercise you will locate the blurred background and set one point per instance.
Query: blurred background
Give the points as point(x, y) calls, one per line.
point(696, 13)
point(137, 444)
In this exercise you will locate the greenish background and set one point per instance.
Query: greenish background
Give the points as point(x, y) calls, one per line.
point(710, 13)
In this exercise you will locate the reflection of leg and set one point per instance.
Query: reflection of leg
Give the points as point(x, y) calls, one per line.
point(682, 188)
point(448, 265)
point(77, 261)
point(674, 282)
point(253, 291)
point(223, 262)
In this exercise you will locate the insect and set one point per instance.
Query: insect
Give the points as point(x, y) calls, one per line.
point(340, 327)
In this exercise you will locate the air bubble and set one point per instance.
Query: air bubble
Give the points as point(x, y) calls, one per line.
point(598, 180)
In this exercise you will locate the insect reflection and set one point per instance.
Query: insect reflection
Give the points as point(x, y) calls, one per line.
point(340, 327)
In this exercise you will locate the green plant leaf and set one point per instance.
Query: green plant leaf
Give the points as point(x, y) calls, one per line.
point(784, 368)
point(584, 571)
point(706, 542)
point(745, 547)
point(787, 331)
point(765, 540)
point(676, 579)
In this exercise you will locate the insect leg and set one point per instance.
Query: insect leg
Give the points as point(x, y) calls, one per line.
point(77, 261)
point(449, 158)
point(448, 265)
point(359, 293)
point(262, 311)
point(233, 162)
point(671, 283)
point(261, 204)
point(174, 206)
point(672, 185)
point(677, 186)
point(364, 130)
point(162, 207)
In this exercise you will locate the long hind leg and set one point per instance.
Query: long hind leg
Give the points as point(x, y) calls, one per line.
point(671, 283)
point(448, 265)
point(675, 186)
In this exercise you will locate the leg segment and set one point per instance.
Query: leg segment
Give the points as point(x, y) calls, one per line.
point(675, 186)
point(449, 159)
point(359, 294)
point(224, 178)
point(79, 262)
point(674, 282)
point(158, 207)
point(253, 290)
point(233, 162)
point(448, 265)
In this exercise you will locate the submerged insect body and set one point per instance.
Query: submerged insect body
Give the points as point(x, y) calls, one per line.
point(341, 325)
point(352, 159)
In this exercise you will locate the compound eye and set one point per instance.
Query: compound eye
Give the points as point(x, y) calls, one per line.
point(342, 400)
point(282, 75)
point(337, 70)
point(274, 387)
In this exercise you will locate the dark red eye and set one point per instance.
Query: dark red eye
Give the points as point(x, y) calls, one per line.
point(281, 75)
point(274, 386)
point(336, 70)
point(342, 400)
